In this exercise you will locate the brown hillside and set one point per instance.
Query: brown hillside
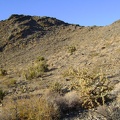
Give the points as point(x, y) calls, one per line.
point(24, 38)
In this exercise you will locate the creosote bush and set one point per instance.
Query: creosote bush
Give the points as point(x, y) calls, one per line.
point(37, 69)
point(93, 88)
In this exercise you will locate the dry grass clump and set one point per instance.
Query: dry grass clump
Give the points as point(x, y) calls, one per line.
point(93, 88)
point(37, 69)
point(29, 109)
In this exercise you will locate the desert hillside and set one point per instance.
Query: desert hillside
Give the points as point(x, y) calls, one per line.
point(45, 58)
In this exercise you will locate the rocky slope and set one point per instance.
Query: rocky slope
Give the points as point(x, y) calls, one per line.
point(24, 38)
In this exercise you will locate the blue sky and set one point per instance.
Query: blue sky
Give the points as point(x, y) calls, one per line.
point(83, 12)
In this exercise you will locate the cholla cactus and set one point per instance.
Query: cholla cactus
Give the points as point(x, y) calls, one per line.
point(93, 88)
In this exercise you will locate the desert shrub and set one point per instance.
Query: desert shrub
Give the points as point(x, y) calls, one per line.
point(41, 110)
point(56, 87)
point(11, 82)
point(30, 109)
point(3, 72)
point(40, 58)
point(36, 70)
point(69, 102)
point(72, 99)
point(71, 49)
point(66, 104)
point(93, 88)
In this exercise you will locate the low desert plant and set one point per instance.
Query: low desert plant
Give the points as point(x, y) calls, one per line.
point(3, 72)
point(56, 87)
point(36, 70)
point(72, 99)
point(93, 88)
point(41, 110)
point(66, 103)
point(30, 109)
point(11, 82)
point(40, 58)
point(71, 49)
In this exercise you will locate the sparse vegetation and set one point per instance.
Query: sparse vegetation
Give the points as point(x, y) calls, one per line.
point(11, 82)
point(30, 109)
point(3, 72)
point(41, 110)
point(24, 83)
point(40, 58)
point(56, 87)
point(71, 49)
point(37, 69)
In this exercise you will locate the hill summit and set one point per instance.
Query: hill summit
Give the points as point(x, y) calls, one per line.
point(19, 27)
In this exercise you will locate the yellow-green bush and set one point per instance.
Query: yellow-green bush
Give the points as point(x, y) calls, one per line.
point(93, 88)
point(36, 70)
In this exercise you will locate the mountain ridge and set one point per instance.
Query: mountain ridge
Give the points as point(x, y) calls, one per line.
point(21, 26)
